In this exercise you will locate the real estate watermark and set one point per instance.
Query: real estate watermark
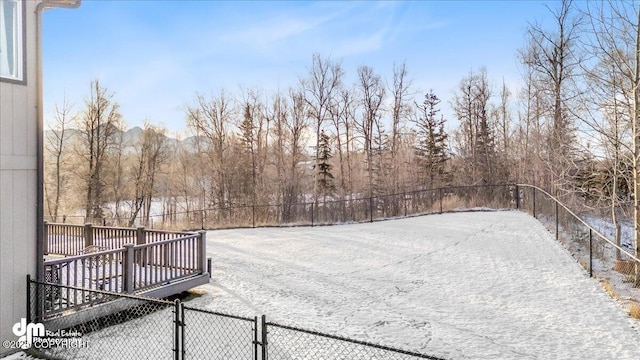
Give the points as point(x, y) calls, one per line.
point(34, 335)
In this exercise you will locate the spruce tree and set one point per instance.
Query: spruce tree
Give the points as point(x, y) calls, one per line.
point(247, 161)
point(325, 177)
point(431, 141)
point(486, 154)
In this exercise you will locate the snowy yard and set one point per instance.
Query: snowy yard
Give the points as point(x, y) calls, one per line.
point(490, 285)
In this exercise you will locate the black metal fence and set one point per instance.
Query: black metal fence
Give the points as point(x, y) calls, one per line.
point(120, 326)
point(366, 209)
point(356, 209)
point(212, 335)
point(162, 329)
point(282, 342)
point(591, 241)
point(109, 326)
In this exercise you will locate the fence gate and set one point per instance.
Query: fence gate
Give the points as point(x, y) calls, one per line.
point(205, 334)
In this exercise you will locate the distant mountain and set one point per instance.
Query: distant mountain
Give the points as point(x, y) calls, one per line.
point(130, 138)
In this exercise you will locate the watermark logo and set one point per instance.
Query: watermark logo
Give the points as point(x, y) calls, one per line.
point(35, 335)
point(27, 332)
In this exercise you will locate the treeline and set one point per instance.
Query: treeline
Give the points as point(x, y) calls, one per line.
point(571, 128)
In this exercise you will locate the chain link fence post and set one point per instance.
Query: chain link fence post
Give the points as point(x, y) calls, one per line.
point(28, 298)
point(534, 203)
point(312, 206)
point(557, 222)
point(370, 209)
point(404, 197)
point(265, 352)
point(256, 342)
point(590, 252)
point(178, 331)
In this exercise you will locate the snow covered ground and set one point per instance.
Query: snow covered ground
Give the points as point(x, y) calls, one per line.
point(481, 285)
point(489, 285)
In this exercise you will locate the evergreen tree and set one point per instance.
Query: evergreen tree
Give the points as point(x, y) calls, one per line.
point(486, 154)
point(381, 162)
point(325, 177)
point(247, 161)
point(431, 141)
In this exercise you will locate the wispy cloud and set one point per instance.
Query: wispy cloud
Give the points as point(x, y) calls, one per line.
point(283, 26)
point(360, 44)
point(274, 30)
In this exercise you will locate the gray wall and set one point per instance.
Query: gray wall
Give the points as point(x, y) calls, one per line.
point(18, 186)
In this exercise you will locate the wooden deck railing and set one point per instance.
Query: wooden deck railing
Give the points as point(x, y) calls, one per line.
point(132, 268)
point(64, 239)
point(70, 240)
point(165, 261)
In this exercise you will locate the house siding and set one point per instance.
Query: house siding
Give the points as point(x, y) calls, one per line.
point(18, 185)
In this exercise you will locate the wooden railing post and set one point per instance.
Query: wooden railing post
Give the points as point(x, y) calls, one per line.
point(140, 238)
point(45, 238)
point(88, 235)
point(128, 268)
point(202, 247)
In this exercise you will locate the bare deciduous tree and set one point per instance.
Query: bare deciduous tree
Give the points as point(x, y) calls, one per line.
point(56, 141)
point(151, 152)
point(372, 93)
point(99, 123)
point(615, 89)
point(554, 59)
point(400, 91)
point(320, 88)
point(210, 120)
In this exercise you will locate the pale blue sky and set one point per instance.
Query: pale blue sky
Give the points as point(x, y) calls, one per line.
point(156, 55)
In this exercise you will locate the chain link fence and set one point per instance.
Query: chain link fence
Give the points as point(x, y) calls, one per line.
point(213, 335)
point(367, 209)
point(325, 211)
point(107, 326)
point(123, 326)
point(282, 342)
point(592, 242)
point(120, 326)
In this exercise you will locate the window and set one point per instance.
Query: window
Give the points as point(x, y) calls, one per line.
point(11, 40)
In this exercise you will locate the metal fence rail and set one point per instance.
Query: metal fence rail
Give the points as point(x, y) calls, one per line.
point(109, 326)
point(288, 342)
point(212, 335)
point(368, 209)
point(198, 333)
point(613, 264)
point(331, 211)
point(120, 326)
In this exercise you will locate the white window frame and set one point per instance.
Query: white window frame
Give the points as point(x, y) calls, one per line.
point(12, 42)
